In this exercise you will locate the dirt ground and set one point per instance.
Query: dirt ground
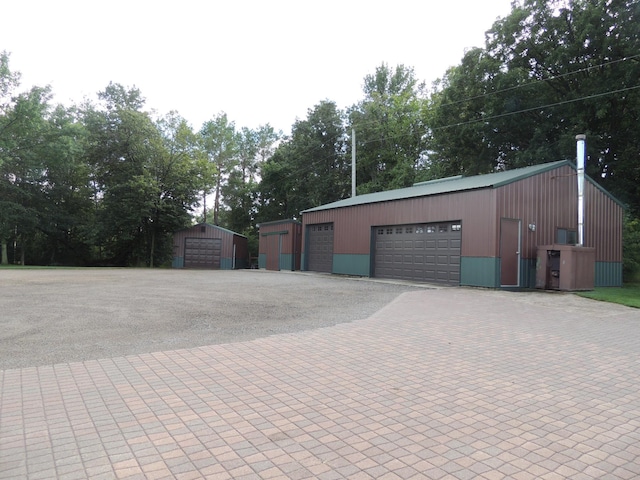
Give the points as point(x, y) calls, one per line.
point(52, 316)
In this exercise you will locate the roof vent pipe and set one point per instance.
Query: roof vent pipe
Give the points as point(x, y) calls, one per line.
point(580, 163)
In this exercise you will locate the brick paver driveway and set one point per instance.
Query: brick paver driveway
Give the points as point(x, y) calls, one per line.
point(448, 383)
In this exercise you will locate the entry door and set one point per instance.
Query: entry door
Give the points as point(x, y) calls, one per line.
point(509, 252)
point(274, 247)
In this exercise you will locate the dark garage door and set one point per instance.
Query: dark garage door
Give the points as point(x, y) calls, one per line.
point(202, 252)
point(320, 247)
point(419, 252)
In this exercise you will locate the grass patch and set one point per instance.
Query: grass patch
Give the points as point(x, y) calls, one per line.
point(628, 295)
point(36, 267)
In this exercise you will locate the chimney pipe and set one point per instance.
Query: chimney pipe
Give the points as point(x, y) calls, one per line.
point(580, 163)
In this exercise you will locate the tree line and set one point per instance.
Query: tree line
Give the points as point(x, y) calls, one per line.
point(106, 182)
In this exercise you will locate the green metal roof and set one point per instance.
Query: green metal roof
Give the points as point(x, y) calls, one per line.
point(212, 226)
point(279, 222)
point(445, 185)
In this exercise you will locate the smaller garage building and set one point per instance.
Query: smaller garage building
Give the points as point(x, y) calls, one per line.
point(482, 231)
point(280, 245)
point(209, 247)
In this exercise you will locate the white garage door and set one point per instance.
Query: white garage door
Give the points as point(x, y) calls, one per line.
point(419, 252)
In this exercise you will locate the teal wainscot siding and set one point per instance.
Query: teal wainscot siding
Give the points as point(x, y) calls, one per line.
point(285, 262)
point(480, 271)
point(177, 262)
point(352, 264)
point(608, 274)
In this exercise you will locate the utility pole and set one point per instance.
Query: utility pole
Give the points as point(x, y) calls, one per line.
point(353, 162)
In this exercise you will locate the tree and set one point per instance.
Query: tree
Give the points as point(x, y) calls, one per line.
point(23, 129)
point(66, 216)
point(145, 177)
point(390, 129)
point(308, 169)
point(549, 70)
point(220, 144)
point(240, 192)
point(631, 249)
point(175, 174)
point(458, 142)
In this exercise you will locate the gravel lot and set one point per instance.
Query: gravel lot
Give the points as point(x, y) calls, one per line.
point(65, 315)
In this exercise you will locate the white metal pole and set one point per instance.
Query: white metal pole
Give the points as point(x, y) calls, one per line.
point(580, 163)
point(353, 162)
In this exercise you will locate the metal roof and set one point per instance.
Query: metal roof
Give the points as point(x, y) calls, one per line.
point(279, 222)
point(212, 226)
point(445, 185)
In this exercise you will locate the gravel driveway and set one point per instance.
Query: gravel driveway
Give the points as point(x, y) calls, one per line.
point(65, 315)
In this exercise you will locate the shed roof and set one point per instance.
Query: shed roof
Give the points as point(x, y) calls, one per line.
point(279, 222)
point(446, 185)
point(212, 226)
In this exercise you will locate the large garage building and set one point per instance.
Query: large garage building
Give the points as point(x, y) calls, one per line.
point(478, 231)
point(211, 247)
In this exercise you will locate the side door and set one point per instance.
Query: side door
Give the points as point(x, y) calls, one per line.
point(510, 252)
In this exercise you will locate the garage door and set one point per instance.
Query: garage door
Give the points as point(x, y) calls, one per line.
point(419, 252)
point(202, 252)
point(320, 247)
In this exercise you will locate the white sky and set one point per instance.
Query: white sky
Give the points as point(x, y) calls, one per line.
point(259, 61)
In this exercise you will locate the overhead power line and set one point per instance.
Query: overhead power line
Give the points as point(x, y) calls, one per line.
point(506, 114)
point(537, 82)
point(541, 107)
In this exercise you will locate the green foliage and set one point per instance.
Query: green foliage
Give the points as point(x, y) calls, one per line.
point(390, 130)
point(23, 129)
point(631, 249)
point(241, 190)
point(550, 70)
point(146, 175)
point(220, 144)
point(8, 80)
point(66, 214)
point(308, 169)
point(107, 183)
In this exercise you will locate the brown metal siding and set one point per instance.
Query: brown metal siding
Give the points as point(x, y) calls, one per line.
point(550, 201)
point(296, 244)
point(242, 251)
point(544, 200)
point(269, 243)
point(603, 225)
point(352, 225)
point(292, 236)
point(271, 249)
point(209, 232)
